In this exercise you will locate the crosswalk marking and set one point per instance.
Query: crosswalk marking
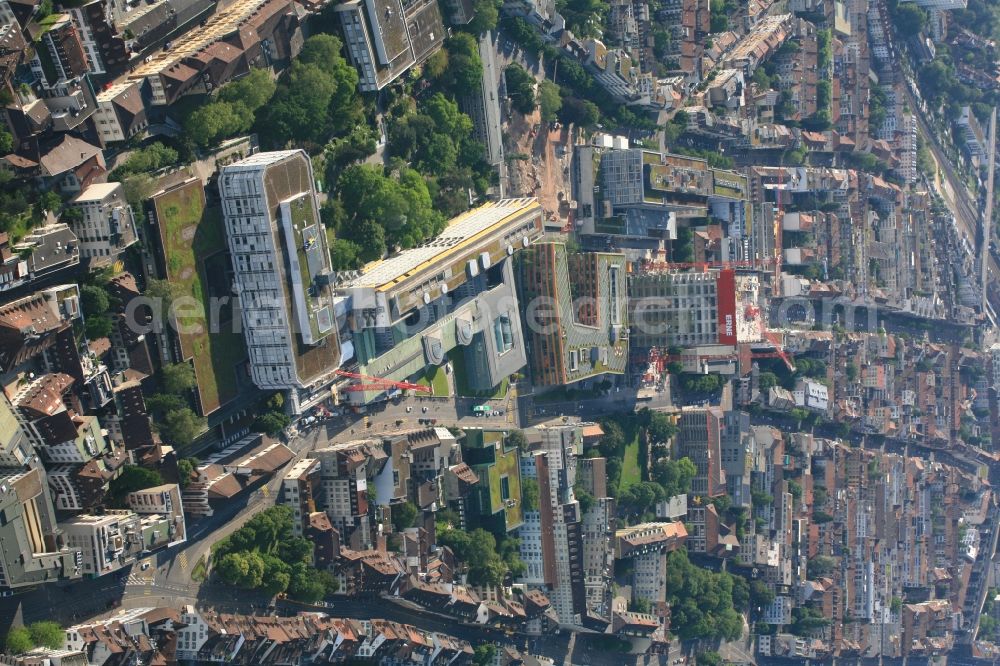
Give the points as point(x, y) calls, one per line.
point(182, 558)
point(147, 592)
point(265, 491)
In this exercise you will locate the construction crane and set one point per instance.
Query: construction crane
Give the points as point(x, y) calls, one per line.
point(660, 359)
point(705, 265)
point(369, 383)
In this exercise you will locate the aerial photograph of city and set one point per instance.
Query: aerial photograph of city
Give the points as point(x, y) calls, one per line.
point(499, 332)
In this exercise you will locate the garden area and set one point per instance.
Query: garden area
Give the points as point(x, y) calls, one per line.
point(194, 245)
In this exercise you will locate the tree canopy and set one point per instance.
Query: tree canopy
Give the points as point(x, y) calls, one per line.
point(675, 475)
point(131, 479)
point(701, 601)
point(520, 88)
point(266, 556)
point(315, 99)
point(478, 550)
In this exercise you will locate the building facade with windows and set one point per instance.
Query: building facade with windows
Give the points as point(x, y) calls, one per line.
point(282, 270)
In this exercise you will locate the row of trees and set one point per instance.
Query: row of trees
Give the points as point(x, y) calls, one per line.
point(37, 634)
point(314, 100)
point(264, 555)
point(173, 417)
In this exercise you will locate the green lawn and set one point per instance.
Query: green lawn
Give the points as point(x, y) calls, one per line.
point(630, 465)
point(200, 572)
point(437, 379)
point(191, 235)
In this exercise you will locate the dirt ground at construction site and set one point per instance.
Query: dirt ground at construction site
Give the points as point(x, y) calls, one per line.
point(539, 156)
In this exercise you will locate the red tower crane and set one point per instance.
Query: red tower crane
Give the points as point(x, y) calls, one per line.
point(379, 383)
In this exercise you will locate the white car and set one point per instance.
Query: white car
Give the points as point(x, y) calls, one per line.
point(145, 565)
point(409, 409)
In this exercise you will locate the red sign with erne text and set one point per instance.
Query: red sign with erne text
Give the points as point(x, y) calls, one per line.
point(726, 293)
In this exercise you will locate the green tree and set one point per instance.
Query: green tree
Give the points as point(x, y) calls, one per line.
point(186, 469)
point(178, 378)
point(767, 380)
point(701, 601)
point(487, 13)
point(660, 428)
point(437, 65)
point(98, 326)
point(821, 565)
point(478, 550)
point(47, 633)
point(675, 475)
point(578, 111)
point(271, 424)
point(180, 426)
point(161, 403)
point(6, 142)
point(18, 641)
point(465, 67)
point(484, 654)
point(710, 657)
point(550, 100)
point(520, 88)
point(612, 444)
point(529, 494)
point(212, 122)
point(403, 515)
point(761, 593)
point(345, 255)
point(253, 90)
point(909, 18)
point(585, 499)
point(309, 585)
point(148, 159)
point(131, 479)
point(94, 300)
point(852, 372)
point(640, 605)
point(369, 237)
point(517, 438)
point(244, 570)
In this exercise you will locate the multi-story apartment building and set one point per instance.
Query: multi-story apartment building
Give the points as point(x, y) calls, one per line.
point(385, 38)
point(120, 113)
point(227, 43)
point(551, 538)
point(647, 546)
point(282, 271)
point(298, 491)
point(106, 226)
point(107, 543)
point(699, 439)
point(161, 505)
point(343, 491)
point(61, 55)
point(44, 251)
point(693, 309)
point(29, 552)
